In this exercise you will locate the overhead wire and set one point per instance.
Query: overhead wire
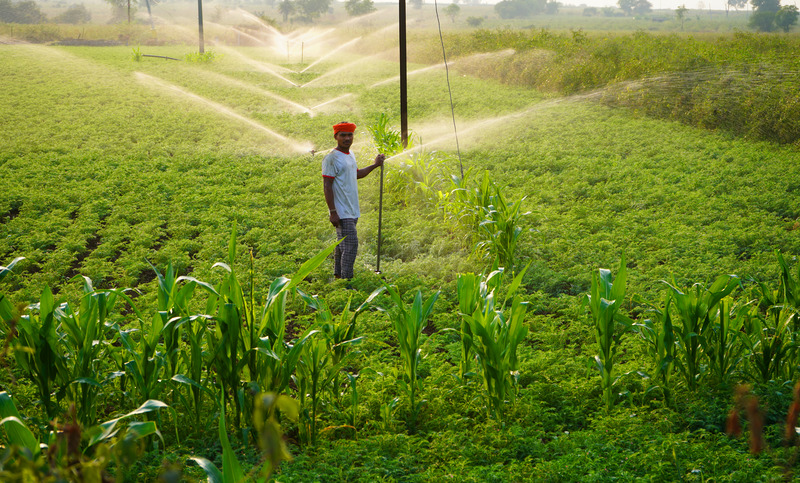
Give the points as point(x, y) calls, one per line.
point(449, 89)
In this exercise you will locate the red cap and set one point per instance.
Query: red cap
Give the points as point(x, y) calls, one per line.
point(343, 127)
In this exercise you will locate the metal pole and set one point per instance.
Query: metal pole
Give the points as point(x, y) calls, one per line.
point(380, 222)
point(200, 22)
point(403, 76)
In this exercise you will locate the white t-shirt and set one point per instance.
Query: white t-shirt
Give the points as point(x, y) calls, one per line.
point(344, 171)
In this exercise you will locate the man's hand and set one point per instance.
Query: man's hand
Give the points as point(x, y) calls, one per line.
point(334, 218)
point(379, 159)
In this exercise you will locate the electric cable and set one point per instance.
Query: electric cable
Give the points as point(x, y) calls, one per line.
point(449, 89)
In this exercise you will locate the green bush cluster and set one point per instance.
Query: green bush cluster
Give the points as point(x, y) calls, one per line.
point(746, 84)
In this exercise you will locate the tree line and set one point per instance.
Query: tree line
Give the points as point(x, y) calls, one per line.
point(768, 15)
point(29, 12)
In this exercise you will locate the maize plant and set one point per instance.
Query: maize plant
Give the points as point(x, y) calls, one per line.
point(769, 338)
point(226, 342)
point(6, 309)
point(312, 377)
point(409, 321)
point(278, 359)
point(322, 361)
point(269, 437)
point(604, 302)
point(84, 333)
point(340, 334)
point(387, 140)
point(473, 293)
point(421, 173)
point(723, 344)
point(190, 372)
point(173, 302)
point(492, 329)
point(38, 351)
point(61, 457)
point(500, 230)
point(658, 333)
point(698, 309)
point(146, 365)
point(465, 205)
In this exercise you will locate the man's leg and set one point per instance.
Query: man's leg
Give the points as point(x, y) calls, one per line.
point(337, 253)
point(345, 254)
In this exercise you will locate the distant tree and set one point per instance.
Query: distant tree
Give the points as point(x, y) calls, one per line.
point(786, 17)
point(680, 12)
point(22, 12)
point(123, 8)
point(452, 11)
point(417, 3)
point(355, 8)
point(642, 7)
point(551, 8)
point(763, 18)
point(626, 6)
point(590, 11)
point(736, 4)
point(6, 11)
point(609, 11)
point(519, 8)
point(286, 8)
point(75, 14)
point(635, 6)
point(311, 9)
point(474, 21)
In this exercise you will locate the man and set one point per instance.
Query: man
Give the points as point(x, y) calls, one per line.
point(339, 175)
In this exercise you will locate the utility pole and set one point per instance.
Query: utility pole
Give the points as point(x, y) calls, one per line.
point(403, 76)
point(200, 22)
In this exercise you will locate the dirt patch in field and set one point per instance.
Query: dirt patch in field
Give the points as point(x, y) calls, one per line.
point(10, 41)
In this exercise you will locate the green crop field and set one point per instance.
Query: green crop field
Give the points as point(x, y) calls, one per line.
point(609, 291)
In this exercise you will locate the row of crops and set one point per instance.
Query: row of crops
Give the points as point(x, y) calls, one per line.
point(453, 366)
point(212, 349)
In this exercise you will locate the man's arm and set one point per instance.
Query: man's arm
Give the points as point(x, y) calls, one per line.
point(365, 171)
point(327, 188)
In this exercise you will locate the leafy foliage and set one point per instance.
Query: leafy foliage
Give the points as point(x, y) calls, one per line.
point(162, 177)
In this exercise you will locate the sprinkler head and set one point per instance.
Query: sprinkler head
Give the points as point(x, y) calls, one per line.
point(313, 152)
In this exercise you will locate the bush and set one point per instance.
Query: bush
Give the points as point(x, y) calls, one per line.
point(75, 14)
point(22, 12)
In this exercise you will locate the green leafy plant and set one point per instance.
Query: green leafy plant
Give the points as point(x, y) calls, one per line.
point(769, 341)
point(387, 140)
point(84, 334)
point(500, 230)
point(136, 54)
point(658, 333)
point(205, 57)
point(492, 329)
point(7, 314)
point(269, 437)
point(604, 303)
point(408, 322)
point(724, 347)
point(62, 457)
point(698, 311)
point(38, 351)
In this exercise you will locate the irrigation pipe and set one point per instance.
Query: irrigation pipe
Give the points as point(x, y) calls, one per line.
point(380, 220)
point(160, 57)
